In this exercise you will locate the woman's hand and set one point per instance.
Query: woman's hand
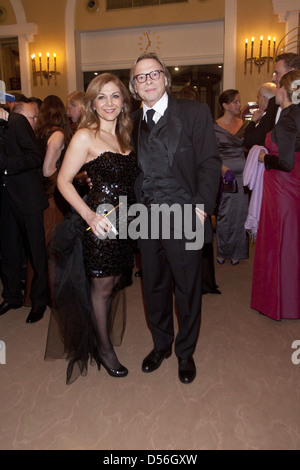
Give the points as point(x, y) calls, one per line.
point(261, 156)
point(257, 115)
point(99, 225)
point(83, 179)
point(224, 169)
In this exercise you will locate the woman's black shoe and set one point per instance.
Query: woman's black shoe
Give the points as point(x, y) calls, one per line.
point(120, 372)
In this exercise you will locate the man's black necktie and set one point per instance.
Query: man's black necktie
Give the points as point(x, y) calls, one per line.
point(150, 122)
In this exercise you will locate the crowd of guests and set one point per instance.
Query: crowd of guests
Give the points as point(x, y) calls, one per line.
point(51, 157)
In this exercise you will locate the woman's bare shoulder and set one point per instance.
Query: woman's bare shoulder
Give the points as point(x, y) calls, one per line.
point(84, 133)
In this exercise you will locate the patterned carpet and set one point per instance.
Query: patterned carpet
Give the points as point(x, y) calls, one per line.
point(246, 394)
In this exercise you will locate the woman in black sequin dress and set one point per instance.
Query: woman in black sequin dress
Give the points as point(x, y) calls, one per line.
point(101, 147)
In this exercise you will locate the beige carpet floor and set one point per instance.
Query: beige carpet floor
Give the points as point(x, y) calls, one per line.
point(246, 394)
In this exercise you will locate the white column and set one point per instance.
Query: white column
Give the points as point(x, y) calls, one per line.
point(25, 65)
point(230, 44)
point(70, 45)
point(292, 23)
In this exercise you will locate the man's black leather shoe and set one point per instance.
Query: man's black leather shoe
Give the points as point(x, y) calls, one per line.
point(186, 370)
point(6, 306)
point(36, 314)
point(154, 359)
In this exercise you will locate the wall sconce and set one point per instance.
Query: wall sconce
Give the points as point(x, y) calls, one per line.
point(259, 59)
point(48, 73)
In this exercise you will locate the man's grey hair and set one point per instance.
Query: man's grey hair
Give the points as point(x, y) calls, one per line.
point(150, 55)
point(19, 107)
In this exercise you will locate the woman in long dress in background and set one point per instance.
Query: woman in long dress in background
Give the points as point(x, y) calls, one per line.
point(276, 271)
point(232, 239)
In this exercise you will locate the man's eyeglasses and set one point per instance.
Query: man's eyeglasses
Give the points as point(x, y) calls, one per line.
point(154, 75)
point(31, 117)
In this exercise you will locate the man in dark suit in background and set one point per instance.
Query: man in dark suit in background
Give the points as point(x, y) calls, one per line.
point(180, 164)
point(22, 204)
point(255, 134)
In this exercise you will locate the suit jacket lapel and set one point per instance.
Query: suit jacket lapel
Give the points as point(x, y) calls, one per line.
point(136, 118)
point(174, 128)
point(135, 135)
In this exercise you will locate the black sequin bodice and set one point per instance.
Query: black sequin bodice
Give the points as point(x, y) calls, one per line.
point(112, 175)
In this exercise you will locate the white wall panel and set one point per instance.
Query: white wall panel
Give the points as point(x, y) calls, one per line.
point(193, 43)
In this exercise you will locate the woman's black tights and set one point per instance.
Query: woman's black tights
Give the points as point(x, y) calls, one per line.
point(101, 290)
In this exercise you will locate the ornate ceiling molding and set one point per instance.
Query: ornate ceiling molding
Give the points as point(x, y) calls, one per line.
point(28, 30)
point(283, 8)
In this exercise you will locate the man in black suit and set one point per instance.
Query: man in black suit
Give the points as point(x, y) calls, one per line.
point(23, 201)
point(255, 134)
point(180, 165)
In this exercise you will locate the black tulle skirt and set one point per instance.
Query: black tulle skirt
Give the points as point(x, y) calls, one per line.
point(71, 333)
